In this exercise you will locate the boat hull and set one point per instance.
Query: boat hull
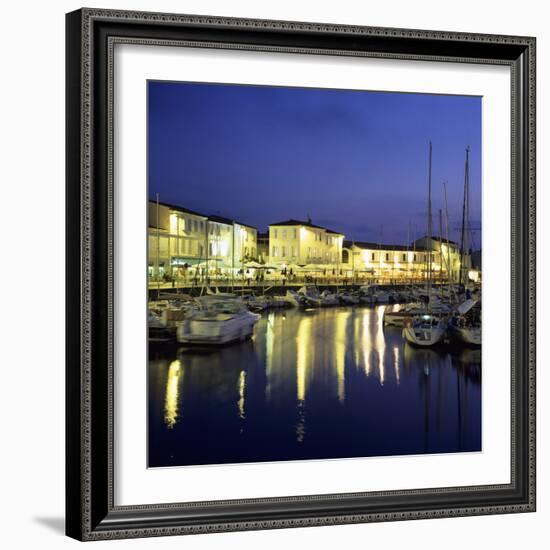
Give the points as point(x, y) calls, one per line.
point(424, 337)
point(207, 333)
point(470, 336)
point(162, 335)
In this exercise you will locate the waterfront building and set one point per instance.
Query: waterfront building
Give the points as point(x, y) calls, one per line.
point(231, 245)
point(187, 245)
point(302, 243)
point(448, 254)
point(391, 262)
point(176, 238)
point(263, 247)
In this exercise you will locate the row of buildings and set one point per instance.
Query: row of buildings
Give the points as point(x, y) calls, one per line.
point(188, 245)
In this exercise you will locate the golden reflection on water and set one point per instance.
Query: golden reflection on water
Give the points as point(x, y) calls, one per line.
point(319, 358)
point(396, 363)
point(303, 359)
point(241, 389)
point(171, 400)
point(380, 343)
point(269, 353)
point(340, 353)
point(366, 342)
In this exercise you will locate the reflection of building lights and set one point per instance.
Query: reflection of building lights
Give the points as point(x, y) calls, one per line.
point(340, 353)
point(356, 340)
point(396, 362)
point(303, 340)
point(366, 341)
point(380, 342)
point(241, 388)
point(172, 394)
point(269, 353)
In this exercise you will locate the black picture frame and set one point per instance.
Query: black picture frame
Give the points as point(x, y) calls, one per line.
point(90, 510)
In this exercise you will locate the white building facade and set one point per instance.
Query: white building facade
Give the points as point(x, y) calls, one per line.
point(186, 245)
point(300, 243)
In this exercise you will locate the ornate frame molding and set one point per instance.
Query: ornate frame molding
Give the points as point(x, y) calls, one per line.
point(91, 36)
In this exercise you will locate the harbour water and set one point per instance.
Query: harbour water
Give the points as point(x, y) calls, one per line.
point(313, 384)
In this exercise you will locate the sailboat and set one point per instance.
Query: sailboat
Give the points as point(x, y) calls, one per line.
point(465, 325)
point(427, 327)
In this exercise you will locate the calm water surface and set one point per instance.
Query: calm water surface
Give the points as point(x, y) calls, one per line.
point(325, 383)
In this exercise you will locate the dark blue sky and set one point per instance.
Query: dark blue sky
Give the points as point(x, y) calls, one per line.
point(355, 161)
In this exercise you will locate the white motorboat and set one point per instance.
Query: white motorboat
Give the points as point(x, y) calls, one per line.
point(219, 320)
point(425, 329)
point(465, 326)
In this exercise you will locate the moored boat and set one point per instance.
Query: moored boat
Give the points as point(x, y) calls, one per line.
point(424, 329)
point(158, 332)
point(348, 298)
point(465, 326)
point(219, 320)
point(396, 318)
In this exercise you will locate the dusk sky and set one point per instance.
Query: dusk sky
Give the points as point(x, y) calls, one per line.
point(354, 161)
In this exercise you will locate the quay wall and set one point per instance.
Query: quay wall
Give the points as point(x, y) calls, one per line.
point(276, 289)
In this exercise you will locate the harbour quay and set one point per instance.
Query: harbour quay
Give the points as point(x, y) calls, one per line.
point(188, 249)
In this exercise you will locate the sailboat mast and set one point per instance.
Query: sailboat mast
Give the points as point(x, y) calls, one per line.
point(158, 249)
point(441, 256)
point(408, 256)
point(430, 226)
point(447, 237)
point(465, 214)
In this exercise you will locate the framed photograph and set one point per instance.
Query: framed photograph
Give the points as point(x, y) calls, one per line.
point(300, 274)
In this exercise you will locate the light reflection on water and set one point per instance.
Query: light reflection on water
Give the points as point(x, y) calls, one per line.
point(323, 383)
